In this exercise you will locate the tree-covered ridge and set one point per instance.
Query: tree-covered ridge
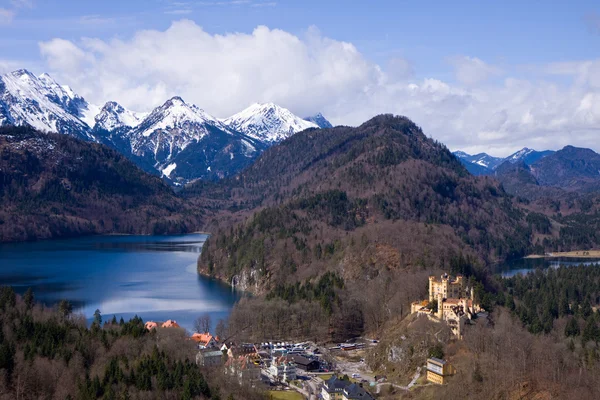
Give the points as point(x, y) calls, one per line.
point(541, 297)
point(322, 291)
point(51, 353)
point(55, 185)
point(322, 192)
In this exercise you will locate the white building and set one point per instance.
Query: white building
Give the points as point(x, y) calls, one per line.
point(282, 369)
point(209, 358)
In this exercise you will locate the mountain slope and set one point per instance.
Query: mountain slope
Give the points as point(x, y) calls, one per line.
point(528, 156)
point(320, 121)
point(43, 104)
point(481, 159)
point(570, 167)
point(184, 142)
point(267, 123)
point(177, 140)
point(484, 164)
point(356, 201)
point(54, 186)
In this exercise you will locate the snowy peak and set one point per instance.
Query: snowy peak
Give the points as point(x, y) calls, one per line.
point(319, 120)
point(114, 116)
point(26, 99)
point(176, 114)
point(268, 122)
point(489, 163)
point(519, 155)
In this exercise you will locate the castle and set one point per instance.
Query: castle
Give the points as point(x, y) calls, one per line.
point(455, 303)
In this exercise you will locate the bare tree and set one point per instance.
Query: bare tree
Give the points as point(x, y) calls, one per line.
point(202, 324)
point(221, 329)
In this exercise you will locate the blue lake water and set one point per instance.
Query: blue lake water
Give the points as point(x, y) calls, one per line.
point(152, 276)
point(524, 265)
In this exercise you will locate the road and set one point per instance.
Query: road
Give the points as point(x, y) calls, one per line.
point(412, 383)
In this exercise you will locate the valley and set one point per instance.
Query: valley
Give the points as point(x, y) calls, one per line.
point(334, 232)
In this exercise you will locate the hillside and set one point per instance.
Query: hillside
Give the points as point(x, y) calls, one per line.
point(54, 186)
point(571, 168)
point(355, 201)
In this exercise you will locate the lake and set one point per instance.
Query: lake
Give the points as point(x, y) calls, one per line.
point(154, 277)
point(524, 265)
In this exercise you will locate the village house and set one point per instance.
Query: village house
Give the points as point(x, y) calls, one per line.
point(245, 368)
point(438, 370)
point(170, 324)
point(209, 358)
point(151, 325)
point(243, 349)
point(306, 364)
point(155, 325)
point(205, 340)
point(355, 391)
point(340, 389)
point(282, 369)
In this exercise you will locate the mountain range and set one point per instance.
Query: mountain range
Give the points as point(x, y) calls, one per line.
point(177, 140)
point(485, 164)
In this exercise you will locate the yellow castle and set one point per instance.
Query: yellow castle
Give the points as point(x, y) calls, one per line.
point(455, 303)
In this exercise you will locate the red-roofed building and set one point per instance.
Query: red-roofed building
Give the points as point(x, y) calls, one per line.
point(170, 323)
point(151, 325)
point(205, 340)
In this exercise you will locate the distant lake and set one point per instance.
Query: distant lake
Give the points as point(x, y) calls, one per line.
point(524, 265)
point(154, 277)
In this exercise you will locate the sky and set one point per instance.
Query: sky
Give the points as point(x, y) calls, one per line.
point(475, 75)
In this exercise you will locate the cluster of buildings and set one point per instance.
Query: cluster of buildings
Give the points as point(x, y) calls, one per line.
point(341, 389)
point(455, 303)
point(167, 324)
point(248, 362)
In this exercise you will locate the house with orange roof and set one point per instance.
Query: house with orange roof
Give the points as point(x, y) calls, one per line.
point(151, 325)
point(170, 323)
point(205, 340)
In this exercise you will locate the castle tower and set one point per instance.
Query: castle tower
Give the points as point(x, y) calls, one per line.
point(431, 291)
point(440, 312)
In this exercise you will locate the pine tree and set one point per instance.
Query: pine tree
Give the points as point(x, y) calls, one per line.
point(28, 298)
point(572, 327)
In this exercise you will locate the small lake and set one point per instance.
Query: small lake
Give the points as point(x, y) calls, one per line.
point(524, 265)
point(154, 277)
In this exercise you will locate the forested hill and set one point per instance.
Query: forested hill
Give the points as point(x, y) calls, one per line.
point(357, 201)
point(54, 186)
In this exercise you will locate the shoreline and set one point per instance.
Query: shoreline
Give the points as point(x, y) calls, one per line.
point(567, 254)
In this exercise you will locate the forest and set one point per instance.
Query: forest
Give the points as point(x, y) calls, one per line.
point(51, 353)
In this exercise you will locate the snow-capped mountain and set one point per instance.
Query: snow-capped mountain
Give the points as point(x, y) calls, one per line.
point(177, 140)
point(43, 104)
point(528, 156)
point(481, 159)
point(181, 140)
point(267, 122)
point(320, 121)
point(114, 116)
point(484, 164)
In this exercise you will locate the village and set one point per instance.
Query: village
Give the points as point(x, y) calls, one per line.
point(335, 371)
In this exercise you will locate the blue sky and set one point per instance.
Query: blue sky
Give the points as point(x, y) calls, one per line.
point(508, 65)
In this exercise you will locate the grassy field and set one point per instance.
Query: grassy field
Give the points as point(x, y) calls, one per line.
point(285, 395)
point(569, 254)
point(325, 377)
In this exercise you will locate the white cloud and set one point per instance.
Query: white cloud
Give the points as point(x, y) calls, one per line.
point(6, 16)
point(472, 70)
point(310, 73)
